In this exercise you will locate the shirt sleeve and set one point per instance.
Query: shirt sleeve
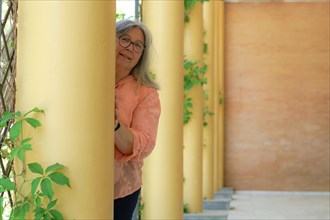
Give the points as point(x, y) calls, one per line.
point(144, 127)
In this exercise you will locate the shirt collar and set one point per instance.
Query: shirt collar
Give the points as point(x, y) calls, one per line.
point(125, 80)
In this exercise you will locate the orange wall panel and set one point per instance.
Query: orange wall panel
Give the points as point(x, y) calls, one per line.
point(277, 96)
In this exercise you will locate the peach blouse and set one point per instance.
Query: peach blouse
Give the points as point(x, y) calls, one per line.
point(139, 110)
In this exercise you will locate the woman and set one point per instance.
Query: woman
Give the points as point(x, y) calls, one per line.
point(137, 113)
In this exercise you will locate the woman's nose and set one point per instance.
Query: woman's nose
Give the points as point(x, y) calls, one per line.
point(130, 47)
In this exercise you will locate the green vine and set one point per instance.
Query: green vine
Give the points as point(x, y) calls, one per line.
point(120, 16)
point(194, 76)
point(188, 6)
point(140, 207)
point(186, 109)
point(220, 101)
point(186, 208)
point(39, 197)
point(206, 110)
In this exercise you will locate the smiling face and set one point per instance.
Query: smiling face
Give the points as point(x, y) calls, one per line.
point(127, 57)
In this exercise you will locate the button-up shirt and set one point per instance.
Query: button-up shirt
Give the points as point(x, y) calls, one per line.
point(139, 110)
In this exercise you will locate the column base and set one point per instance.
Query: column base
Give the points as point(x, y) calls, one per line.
point(214, 209)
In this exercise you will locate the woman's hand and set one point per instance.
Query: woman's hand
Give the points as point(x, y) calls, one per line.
point(123, 135)
point(116, 113)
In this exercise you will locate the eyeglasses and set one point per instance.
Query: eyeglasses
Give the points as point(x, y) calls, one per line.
point(125, 42)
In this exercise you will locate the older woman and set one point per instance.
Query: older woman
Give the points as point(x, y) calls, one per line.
point(137, 113)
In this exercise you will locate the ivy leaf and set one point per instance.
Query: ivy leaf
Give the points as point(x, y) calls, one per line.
point(18, 113)
point(34, 185)
point(189, 4)
point(203, 69)
point(20, 154)
point(20, 211)
point(38, 201)
point(36, 110)
point(205, 48)
point(16, 130)
point(51, 204)
point(25, 208)
point(33, 122)
point(27, 146)
point(7, 184)
point(54, 167)
point(187, 64)
point(6, 117)
point(36, 168)
point(39, 212)
point(47, 216)
point(59, 178)
point(25, 141)
point(56, 214)
point(220, 101)
point(13, 153)
point(46, 188)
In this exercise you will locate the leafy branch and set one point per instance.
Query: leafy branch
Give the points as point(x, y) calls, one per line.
point(39, 197)
point(194, 76)
point(188, 6)
point(206, 110)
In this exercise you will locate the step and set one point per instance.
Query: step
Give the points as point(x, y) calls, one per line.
point(217, 204)
point(227, 190)
point(207, 215)
point(223, 195)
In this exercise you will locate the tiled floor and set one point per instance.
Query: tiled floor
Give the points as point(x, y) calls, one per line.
point(260, 205)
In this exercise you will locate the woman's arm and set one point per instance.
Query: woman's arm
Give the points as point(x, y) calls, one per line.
point(138, 140)
point(124, 139)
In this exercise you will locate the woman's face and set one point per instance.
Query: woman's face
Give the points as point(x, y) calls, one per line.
point(127, 51)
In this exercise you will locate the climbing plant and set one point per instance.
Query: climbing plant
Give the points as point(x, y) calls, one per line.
point(8, 15)
point(194, 76)
point(38, 195)
point(120, 16)
point(188, 6)
point(206, 109)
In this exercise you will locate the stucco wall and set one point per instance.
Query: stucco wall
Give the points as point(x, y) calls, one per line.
point(277, 96)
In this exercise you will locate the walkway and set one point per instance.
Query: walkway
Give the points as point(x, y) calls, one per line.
point(261, 205)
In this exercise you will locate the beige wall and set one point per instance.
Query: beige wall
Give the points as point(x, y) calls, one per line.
point(277, 96)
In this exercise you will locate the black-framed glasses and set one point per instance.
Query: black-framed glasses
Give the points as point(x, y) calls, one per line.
point(126, 41)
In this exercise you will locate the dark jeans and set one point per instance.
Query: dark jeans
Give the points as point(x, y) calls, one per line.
point(124, 207)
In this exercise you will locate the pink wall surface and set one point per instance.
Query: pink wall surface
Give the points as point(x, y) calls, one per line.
point(277, 96)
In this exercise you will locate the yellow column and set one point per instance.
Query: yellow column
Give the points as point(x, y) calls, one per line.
point(66, 67)
point(221, 92)
point(208, 15)
point(216, 101)
point(193, 131)
point(163, 171)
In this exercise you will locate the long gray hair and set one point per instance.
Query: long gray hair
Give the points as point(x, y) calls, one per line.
point(141, 70)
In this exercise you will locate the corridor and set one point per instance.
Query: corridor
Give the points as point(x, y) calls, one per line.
point(264, 205)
